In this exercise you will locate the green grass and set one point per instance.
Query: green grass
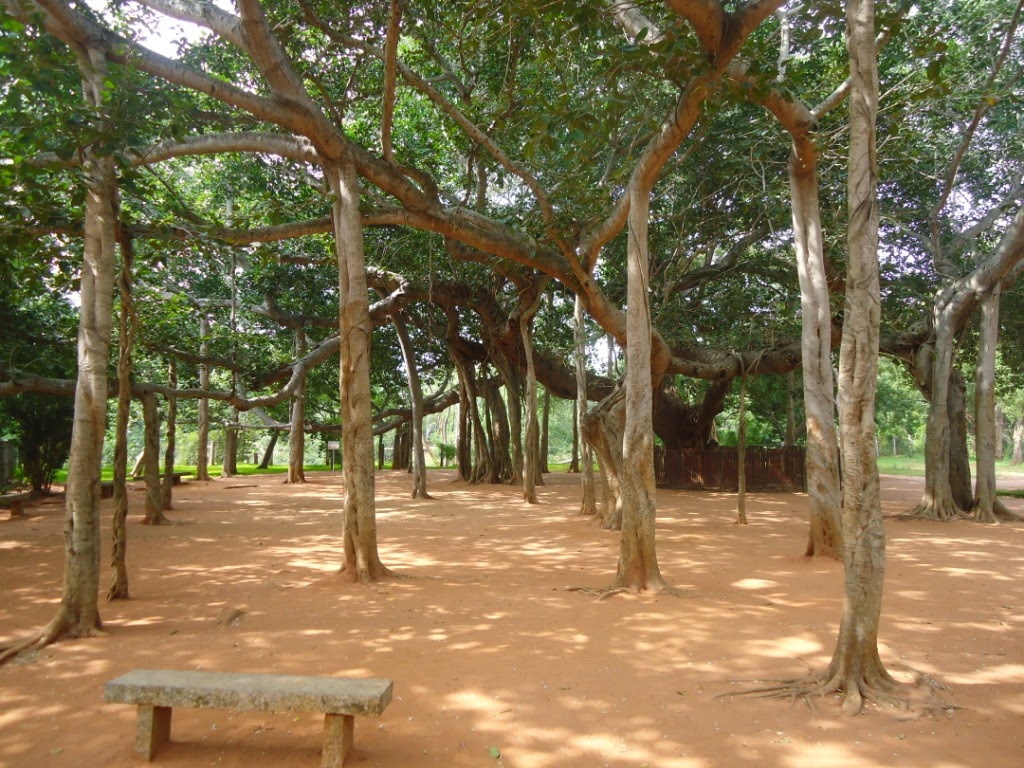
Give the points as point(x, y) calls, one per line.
point(901, 465)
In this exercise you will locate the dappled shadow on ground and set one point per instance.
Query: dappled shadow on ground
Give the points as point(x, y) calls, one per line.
point(488, 646)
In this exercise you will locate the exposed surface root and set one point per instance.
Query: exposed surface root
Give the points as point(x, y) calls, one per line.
point(940, 512)
point(998, 514)
point(48, 636)
point(603, 593)
point(914, 699)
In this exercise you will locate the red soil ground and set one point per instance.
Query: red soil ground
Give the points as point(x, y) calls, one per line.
point(488, 647)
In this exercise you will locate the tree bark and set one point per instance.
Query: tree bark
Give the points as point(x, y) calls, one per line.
point(638, 563)
point(154, 510)
point(359, 522)
point(78, 613)
point(588, 502)
point(532, 464)
point(171, 435)
point(545, 424)
point(856, 669)
point(822, 454)
point(203, 431)
point(419, 464)
point(297, 423)
point(790, 412)
point(1017, 456)
point(229, 461)
point(602, 431)
point(268, 454)
point(741, 456)
point(987, 508)
point(118, 524)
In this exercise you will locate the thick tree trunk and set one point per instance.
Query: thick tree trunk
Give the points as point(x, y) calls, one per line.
point(509, 425)
point(988, 508)
point(822, 454)
point(856, 669)
point(419, 464)
point(118, 525)
point(203, 431)
point(297, 423)
point(588, 503)
point(154, 510)
point(574, 459)
point(936, 364)
point(359, 521)
point(171, 437)
point(959, 454)
point(638, 563)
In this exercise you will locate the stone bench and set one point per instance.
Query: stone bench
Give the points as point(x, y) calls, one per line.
point(157, 691)
point(15, 502)
point(175, 477)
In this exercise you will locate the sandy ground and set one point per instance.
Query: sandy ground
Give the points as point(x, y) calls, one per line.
point(495, 661)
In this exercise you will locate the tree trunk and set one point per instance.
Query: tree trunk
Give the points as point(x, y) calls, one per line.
point(118, 524)
point(268, 454)
point(171, 433)
point(741, 456)
point(988, 508)
point(856, 669)
point(419, 464)
point(532, 469)
point(959, 456)
point(588, 503)
point(78, 613)
point(1000, 433)
point(203, 433)
point(638, 563)
point(602, 431)
point(1017, 457)
point(229, 462)
point(790, 412)
point(297, 424)
point(822, 454)
point(509, 425)
point(545, 424)
point(574, 460)
point(359, 521)
point(151, 461)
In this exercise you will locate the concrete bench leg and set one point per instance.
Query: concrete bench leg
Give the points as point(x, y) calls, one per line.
point(339, 732)
point(152, 729)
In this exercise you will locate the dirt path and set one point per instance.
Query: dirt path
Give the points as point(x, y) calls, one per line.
point(488, 648)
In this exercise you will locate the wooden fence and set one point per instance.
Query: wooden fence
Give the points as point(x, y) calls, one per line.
point(767, 469)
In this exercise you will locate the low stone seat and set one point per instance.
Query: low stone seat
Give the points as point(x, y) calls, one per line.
point(158, 691)
point(15, 502)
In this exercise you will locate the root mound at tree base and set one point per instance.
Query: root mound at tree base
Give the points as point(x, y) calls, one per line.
point(943, 512)
point(917, 698)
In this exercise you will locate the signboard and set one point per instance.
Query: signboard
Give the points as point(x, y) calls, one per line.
point(333, 445)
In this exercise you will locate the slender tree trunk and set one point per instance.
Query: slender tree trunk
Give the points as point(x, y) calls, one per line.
point(1017, 457)
point(118, 524)
point(171, 433)
point(1000, 434)
point(78, 613)
point(297, 424)
point(856, 669)
point(545, 424)
point(532, 469)
point(638, 563)
point(741, 456)
point(790, 411)
point(502, 463)
point(203, 432)
point(822, 454)
point(574, 461)
point(359, 521)
point(602, 430)
point(268, 454)
point(151, 461)
point(229, 462)
point(988, 508)
point(588, 502)
point(419, 464)
point(509, 426)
